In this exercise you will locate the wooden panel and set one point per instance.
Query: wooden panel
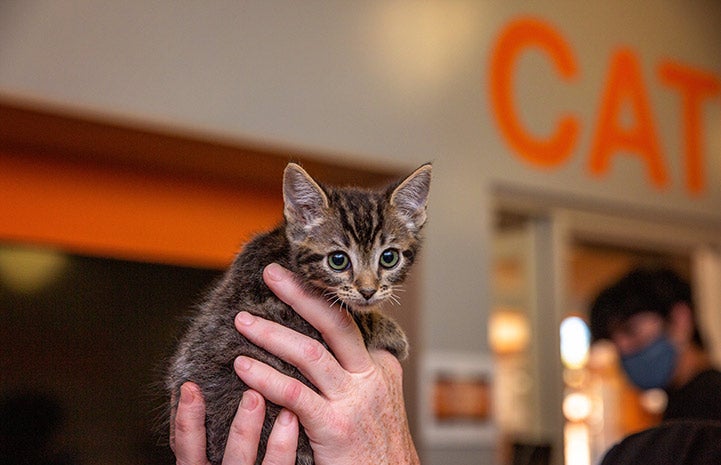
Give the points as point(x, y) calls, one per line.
point(66, 135)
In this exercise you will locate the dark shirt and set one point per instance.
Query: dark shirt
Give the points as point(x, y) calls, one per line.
point(680, 442)
point(700, 398)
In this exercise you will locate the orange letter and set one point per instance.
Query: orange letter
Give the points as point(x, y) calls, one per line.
point(520, 35)
point(625, 85)
point(694, 86)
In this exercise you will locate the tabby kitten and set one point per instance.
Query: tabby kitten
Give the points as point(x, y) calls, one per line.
point(352, 245)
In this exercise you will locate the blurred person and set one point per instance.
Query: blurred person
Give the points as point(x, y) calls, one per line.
point(357, 418)
point(649, 316)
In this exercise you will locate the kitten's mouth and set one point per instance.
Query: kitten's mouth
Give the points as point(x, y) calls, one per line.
point(361, 300)
point(357, 302)
point(362, 303)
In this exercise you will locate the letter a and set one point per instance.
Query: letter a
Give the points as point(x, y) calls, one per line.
point(625, 86)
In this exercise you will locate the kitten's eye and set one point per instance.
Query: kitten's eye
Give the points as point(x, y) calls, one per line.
point(389, 258)
point(338, 261)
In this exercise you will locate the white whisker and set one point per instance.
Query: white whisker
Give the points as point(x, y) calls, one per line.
point(332, 298)
point(394, 299)
point(341, 304)
point(335, 300)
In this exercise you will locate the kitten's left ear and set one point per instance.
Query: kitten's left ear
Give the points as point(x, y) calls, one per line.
point(305, 202)
point(410, 198)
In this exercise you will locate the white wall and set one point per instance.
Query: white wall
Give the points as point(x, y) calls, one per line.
point(379, 82)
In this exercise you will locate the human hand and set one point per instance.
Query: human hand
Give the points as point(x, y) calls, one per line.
point(359, 417)
point(187, 431)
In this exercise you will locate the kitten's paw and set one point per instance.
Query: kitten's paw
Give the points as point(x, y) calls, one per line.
point(381, 332)
point(398, 346)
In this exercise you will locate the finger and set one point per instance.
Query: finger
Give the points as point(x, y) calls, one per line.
point(244, 435)
point(303, 352)
point(283, 440)
point(189, 430)
point(390, 367)
point(282, 390)
point(336, 325)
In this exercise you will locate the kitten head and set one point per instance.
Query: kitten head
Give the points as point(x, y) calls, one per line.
point(354, 245)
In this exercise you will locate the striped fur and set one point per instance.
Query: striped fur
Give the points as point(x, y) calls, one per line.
point(378, 231)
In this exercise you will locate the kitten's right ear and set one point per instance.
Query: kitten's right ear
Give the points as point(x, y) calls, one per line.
point(410, 198)
point(305, 202)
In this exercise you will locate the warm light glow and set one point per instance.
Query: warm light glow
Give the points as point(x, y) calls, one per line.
point(418, 43)
point(575, 378)
point(508, 331)
point(654, 401)
point(603, 355)
point(575, 342)
point(27, 270)
point(577, 406)
point(576, 438)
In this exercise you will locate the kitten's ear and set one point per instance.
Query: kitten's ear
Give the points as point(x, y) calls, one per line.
point(305, 201)
point(410, 198)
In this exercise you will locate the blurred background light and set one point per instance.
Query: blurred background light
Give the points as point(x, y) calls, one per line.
point(654, 401)
point(26, 270)
point(576, 439)
point(508, 331)
point(575, 342)
point(441, 30)
point(577, 406)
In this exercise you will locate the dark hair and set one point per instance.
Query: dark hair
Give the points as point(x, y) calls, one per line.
point(641, 290)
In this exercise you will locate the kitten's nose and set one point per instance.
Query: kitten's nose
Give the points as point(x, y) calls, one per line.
point(367, 293)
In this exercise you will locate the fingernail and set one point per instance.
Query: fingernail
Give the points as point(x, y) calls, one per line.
point(242, 364)
point(285, 418)
point(248, 401)
point(186, 395)
point(275, 272)
point(245, 318)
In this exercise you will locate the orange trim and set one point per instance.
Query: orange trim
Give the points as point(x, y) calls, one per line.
point(128, 214)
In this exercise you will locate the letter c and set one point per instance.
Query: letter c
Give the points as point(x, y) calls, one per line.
point(517, 37)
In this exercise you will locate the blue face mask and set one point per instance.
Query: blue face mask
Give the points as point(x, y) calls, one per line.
point(651, 367)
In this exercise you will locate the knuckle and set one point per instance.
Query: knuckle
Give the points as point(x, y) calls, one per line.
point(237, 429)
point(292, 391)
point(265, 332)
point(393, 365)
point(281, 447)
point(313, 350)
point(182, 425)
point(390, 365)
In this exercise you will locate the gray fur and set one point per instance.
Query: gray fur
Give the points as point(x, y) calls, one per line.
point(319, 221)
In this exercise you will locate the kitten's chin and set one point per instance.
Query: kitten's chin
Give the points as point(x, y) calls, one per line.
point(363, 306)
